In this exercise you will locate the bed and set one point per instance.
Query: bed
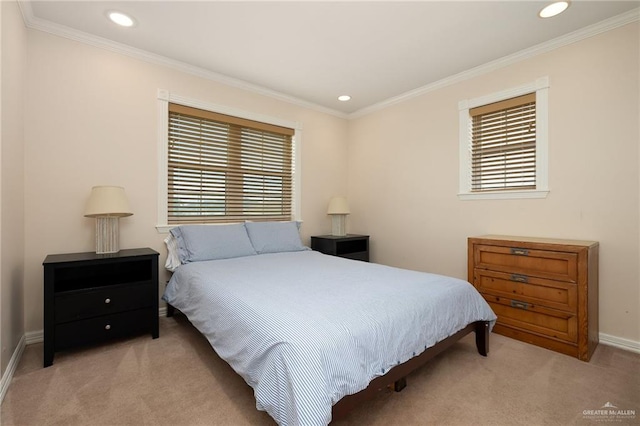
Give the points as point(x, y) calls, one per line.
point(314, 334)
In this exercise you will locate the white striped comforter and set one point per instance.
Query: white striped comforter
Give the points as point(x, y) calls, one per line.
point(305, 329)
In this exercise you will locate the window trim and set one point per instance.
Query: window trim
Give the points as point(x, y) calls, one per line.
point(164, 98)
point(541, 89)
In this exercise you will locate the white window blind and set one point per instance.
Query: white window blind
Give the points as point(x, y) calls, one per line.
point(503, 145)
point(227, 169)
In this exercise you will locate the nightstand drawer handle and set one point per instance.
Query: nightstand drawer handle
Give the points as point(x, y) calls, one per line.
point(519, 251)
point(107, 327)
point(107, 300)
point(519, 278)
point(519, 305)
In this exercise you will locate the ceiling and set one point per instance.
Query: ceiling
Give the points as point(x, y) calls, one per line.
point(313, 52)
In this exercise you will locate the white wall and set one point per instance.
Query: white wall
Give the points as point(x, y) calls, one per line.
point(403, 171)
point(91, 119)
point(13, 66)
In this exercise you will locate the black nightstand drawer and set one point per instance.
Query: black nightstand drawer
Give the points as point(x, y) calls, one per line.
point(102, 328)
point(78, 305)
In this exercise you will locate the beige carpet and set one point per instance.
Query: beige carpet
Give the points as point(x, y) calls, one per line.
point(178, 380)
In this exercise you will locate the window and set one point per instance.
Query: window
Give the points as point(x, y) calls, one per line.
point(503, 144)
point(219, 168)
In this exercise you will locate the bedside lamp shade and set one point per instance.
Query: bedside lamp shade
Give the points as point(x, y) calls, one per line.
point(338, 209)
point(107, 204)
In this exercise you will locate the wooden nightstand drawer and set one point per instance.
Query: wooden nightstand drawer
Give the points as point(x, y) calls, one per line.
point(102, 328)
point(534, 318)
point(555, 265)
point(77, 305)
point(553, 294)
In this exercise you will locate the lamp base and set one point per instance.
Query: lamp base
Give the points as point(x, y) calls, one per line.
point(338, 225)
point(107, 235)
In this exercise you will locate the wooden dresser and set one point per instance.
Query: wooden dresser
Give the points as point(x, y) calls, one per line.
point(544, 291)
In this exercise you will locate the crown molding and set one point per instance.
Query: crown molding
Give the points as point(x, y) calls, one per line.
point(33, 22)
point(573, 37)
point(63, 31)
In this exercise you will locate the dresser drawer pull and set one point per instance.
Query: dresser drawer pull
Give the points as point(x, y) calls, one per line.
point(107, 300)
point(520, 305)
point(519, 251)
point(519, 278)
point(108, 326)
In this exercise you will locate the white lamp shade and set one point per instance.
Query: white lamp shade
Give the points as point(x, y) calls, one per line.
point(107, 201)
point(338, 205)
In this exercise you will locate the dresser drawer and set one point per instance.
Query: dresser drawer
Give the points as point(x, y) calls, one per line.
point(555, 265)
point(77, 305)
point(549, 293)
point(533, 318)
point(99, 329)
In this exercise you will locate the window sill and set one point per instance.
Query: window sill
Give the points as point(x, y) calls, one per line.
point(503, 195)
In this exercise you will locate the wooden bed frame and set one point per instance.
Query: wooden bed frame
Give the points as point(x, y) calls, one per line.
point(396, 377)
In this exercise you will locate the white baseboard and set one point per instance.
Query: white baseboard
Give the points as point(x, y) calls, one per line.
point(11, 368)
point(32, 337)
point(620, 343)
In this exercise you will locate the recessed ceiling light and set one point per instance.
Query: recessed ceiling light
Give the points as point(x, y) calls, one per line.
point(344, 98)
point(554, 9)
point(121, 19)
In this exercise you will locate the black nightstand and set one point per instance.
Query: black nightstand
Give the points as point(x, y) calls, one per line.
point(350, 246)
point(90, 298)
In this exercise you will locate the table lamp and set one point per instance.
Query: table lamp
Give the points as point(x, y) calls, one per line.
point(338, 209)
point(107, 204)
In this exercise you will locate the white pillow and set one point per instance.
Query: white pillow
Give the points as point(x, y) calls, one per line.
point(173, 261)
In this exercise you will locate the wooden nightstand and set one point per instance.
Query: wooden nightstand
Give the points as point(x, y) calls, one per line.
point(90, 298)
point(350, 246)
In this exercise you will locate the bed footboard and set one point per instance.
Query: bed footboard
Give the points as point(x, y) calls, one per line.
point(396, 377)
